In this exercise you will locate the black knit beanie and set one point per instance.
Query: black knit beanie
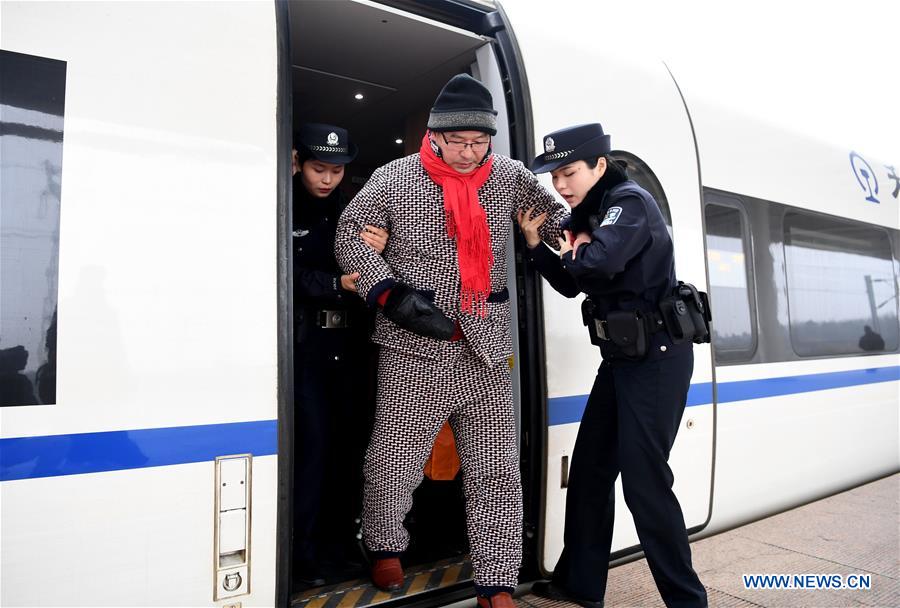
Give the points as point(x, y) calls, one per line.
point(464, 104)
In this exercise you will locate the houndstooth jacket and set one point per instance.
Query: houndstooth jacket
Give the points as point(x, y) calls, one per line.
point(401, 198)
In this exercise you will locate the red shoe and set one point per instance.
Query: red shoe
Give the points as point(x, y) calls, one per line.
point(387, 574)
point(500, 600)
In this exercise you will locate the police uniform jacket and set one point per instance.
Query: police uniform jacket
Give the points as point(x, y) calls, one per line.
point(317, 276)
point(629, 263)
point(402, 198)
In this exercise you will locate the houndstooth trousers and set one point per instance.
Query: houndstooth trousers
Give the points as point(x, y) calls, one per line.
point(415, 396)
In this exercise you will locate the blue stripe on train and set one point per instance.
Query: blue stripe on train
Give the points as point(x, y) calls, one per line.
point(565, 410)
point(54, 455)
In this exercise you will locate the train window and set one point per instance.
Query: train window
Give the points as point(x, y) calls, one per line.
point(842, 296)
point(32, 99)
point(640, 172)
point(728, 257)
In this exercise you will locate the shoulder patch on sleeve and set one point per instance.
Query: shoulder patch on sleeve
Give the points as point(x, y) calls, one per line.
point(611, 217)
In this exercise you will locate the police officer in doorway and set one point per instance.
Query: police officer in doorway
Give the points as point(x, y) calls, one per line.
point(332, 404)
point(617, 250)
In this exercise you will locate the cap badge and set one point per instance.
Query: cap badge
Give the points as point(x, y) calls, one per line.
point(332, 139)
point(549, 145)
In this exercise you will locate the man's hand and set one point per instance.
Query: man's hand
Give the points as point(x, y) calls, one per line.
point(411, 310)
point(348, 281)
point(530, 225)
point(375, 237)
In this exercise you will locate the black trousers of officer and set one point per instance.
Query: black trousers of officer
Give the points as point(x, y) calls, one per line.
point(632, 416)
point(333, 410)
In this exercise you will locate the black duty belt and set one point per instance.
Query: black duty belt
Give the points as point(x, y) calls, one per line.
point(685, 316)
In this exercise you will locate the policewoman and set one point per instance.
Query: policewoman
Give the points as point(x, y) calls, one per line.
point(616, 249)
point(331, 335)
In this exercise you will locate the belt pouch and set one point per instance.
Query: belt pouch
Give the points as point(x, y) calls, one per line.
point(698, 307)
point(679, 324)
point(697, 304)
point(592, 323)
point(628, 331)
point(701, 329)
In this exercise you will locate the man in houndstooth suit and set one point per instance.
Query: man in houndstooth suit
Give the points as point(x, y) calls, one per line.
point(444, 329)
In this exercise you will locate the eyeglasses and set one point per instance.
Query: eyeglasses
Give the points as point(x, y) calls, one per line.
point(459, 146)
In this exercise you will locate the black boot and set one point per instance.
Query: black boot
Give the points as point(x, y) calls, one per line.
point(550, 591)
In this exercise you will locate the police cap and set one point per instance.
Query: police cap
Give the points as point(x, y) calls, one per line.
point(327, 143)
point(568, 145)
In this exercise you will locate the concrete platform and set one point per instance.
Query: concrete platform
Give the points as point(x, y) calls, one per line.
point(855, 532)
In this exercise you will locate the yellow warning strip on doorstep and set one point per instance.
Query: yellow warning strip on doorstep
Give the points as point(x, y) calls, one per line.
point(360, 593)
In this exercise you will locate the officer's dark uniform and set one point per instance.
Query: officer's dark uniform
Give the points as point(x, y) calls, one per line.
point(636, 404)
point(331, 386)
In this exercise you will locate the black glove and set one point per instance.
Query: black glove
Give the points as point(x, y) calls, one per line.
point(411, 310)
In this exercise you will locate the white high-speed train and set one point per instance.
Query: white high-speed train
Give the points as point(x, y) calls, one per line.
point(147, 354)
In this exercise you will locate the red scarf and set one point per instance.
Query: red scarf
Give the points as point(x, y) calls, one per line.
point(467, 223)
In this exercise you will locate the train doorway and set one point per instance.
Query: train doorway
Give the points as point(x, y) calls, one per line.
point(375, 71)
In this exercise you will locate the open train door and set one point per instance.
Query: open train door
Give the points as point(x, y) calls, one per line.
point(575, 77)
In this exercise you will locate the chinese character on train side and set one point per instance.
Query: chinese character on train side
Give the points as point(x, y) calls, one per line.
point(893, 175)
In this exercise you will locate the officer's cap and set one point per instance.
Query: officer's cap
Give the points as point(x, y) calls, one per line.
point(568, 145)
point(327, 143)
